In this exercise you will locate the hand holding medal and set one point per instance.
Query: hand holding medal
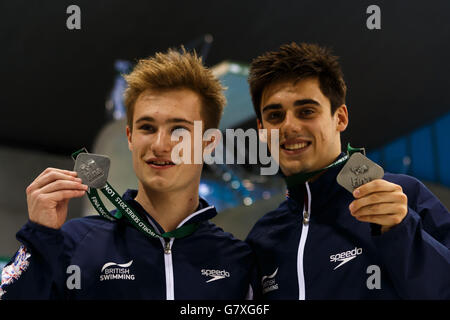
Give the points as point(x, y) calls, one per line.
point(49, 194)
point(376, 200)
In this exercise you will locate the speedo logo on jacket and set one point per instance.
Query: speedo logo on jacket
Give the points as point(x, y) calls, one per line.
point(215, 274)
point(345, 256)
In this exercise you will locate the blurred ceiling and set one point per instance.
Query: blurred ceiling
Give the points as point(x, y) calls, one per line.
point(55, 81)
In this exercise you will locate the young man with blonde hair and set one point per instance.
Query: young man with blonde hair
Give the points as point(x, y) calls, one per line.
point(166, 92)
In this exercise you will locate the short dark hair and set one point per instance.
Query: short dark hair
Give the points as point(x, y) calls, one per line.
point(297, 62)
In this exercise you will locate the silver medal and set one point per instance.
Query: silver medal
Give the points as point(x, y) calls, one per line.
point(357, 171)
point(92, 169)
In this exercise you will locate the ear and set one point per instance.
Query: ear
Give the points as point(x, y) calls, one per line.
point(341, 115)
point(261, 133)
point(259, 124)
point(129, 132)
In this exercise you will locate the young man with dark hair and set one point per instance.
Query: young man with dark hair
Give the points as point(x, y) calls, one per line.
point(115, 259)
point(389, 239)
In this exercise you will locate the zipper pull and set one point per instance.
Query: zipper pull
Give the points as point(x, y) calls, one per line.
point(305, 218)
point(167, 249)
point(306, 202)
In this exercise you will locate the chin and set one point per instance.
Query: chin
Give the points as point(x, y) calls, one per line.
point(292, 169)
point(157, 184)
point(289, 171)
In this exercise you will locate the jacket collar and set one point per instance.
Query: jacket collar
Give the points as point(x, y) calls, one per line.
point(322, 189)
point(204, 211)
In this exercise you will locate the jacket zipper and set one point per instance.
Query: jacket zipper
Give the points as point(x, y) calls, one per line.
point(168, 264)
point(170, 292)
point(301, 247)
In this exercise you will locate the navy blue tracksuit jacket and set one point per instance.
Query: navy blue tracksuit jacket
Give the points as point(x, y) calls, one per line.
point(116, 261)
point(334, 256)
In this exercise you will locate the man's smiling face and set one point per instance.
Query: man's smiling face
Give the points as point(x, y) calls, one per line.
point(157, 114)
point(309, 133)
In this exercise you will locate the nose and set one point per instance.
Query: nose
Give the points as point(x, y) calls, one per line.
point(161, 144)
point(291, 126)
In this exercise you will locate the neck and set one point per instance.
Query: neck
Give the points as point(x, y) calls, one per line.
point(333, 159)
point(169, 209)
point(310, 176)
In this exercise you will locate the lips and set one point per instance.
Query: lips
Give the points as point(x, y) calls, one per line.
point(295, 145)
point(158, 163)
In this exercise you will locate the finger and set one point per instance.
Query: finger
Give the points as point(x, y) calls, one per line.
point(62, 195)
point(377, 197)
point(383, 220)
point(48, 170)
point(60, 185)
point(50, 176)
point(377, 185)
point(381, 209)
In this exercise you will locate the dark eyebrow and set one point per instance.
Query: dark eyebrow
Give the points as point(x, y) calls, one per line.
point(306, 101)
point(171, 120)
point(297, 103)
point(274, 106)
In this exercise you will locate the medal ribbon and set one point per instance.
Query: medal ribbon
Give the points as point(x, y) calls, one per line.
point(302, 177)
point(123, 209)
